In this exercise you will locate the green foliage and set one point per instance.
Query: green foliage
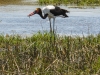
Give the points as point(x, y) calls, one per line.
point(75, 2)
point(46, 53)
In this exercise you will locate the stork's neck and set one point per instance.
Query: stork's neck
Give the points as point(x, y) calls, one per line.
point(41, 15)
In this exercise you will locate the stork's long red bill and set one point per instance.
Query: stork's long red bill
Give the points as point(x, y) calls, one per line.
point(32, 13)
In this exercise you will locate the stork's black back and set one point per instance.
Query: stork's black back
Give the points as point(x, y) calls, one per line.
point(58, 11)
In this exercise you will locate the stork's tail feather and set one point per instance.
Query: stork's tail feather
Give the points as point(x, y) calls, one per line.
point(67, 11)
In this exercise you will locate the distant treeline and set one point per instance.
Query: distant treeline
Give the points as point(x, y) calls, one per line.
point(72, 2)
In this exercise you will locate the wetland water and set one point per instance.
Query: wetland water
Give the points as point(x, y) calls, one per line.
point(14, 20)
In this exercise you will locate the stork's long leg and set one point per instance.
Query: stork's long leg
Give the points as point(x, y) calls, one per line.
point(54, 31)
point(50, 25)
point(53, 25)
point(50, 30)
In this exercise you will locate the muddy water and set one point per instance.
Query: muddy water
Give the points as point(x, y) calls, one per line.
point(14, 20)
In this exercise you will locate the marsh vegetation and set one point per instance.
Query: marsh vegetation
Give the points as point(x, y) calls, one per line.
point(71, 2)
point(40, 55)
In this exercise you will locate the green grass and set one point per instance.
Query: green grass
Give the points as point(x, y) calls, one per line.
point(46, 54)
point(70, 2)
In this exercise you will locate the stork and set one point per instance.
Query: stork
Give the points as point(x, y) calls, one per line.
point(50, 11)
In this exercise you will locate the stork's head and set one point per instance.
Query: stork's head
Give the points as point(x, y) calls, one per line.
point(37, 11)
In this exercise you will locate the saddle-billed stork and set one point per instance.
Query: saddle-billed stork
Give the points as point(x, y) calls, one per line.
point(50, 11)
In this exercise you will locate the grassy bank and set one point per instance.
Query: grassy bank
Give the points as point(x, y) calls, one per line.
point(17, 2)
point(42, 54)
point(71, 2)
point(7, 2)
point(54, 2)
